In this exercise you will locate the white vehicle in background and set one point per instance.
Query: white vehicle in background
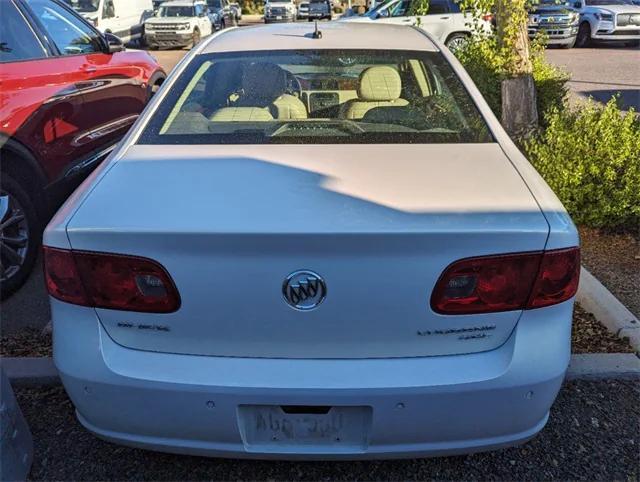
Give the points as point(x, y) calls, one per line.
point(444, 19)
point(302, 251)
point(123, 18)
point(608, 20)
point(280, 11)
point(178, 23)
point(303, 10)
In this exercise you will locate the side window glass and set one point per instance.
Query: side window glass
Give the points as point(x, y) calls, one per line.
point(438, 7)
point(109, 9)
point(17, 40)
point(70, 34)
point(400, 9)
point(454, 6)
point(198, 10)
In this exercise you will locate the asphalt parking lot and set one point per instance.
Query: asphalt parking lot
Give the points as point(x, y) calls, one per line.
point(593, 434)
point(602, 72)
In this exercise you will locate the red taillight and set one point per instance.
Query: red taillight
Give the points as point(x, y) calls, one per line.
point(488, 17)
point(557, 279)
point(509, 282)
point(103, 280)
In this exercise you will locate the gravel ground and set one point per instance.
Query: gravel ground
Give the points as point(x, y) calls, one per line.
point(615, 261)
point(28, 342)
point(589, 336)
point(593, 434)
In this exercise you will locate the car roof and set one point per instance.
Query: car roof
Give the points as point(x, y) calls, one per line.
point(335, 35)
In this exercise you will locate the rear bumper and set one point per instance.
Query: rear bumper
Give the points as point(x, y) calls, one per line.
point(420, 406)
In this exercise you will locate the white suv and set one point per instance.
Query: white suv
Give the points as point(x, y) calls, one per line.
point(444, 19)
point(178, 23)
point(609, 20)
point(280, 11)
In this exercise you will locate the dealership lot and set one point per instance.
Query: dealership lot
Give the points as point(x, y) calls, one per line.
point(593, 430)
point(599, 72)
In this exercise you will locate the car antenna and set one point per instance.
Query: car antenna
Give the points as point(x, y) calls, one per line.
point(317, 33)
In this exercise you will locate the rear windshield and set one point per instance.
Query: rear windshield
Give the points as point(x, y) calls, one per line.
point(317, 96)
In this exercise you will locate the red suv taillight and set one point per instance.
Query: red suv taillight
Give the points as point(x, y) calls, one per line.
point(507, 282)
point(111, 281)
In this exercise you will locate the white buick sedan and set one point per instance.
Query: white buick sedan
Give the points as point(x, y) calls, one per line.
point(314, 246)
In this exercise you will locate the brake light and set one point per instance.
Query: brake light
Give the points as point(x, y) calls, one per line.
point(507, 282)
point(488, 17)
point(557, 279)
point(111, 281)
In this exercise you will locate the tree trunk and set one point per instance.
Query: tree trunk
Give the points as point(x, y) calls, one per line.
point(519, 109)
point(519, 106)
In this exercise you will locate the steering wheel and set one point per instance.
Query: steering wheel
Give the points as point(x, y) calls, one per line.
point(294, 87)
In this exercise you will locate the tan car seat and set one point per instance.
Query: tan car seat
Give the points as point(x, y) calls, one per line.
point(379, 86)
point(263, 92)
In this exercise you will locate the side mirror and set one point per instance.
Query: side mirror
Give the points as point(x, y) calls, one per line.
point(384, 13)
point(114, 44)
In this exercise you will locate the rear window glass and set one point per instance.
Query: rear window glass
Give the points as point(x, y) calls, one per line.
point(317, 96)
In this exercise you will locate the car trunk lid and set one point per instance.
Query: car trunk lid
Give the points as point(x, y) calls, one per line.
point(378, 225)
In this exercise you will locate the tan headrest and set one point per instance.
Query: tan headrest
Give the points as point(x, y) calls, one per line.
point(241, 114)
point(380, 83)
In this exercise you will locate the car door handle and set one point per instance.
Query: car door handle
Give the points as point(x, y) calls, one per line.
point(445, 18)
point(90, 69)
point(407, 20)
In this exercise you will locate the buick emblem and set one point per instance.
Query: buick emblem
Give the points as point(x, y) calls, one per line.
point(304, 290)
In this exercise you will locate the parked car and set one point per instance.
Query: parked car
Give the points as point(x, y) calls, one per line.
point(221, 14)
point(351, 259)
point(280, 11)
point(237, 10)
point(68, 94)
point(444, 19)
point(319, 10)
point(123, 18)
point(559, 22)
point(178, 23)
point(303, 11)
point(608, 20)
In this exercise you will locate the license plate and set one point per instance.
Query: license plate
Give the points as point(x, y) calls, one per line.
point(279, 17)
point(266, 427)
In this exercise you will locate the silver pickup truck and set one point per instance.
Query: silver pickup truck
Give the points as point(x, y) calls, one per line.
point(319, 10)
point(559, 22)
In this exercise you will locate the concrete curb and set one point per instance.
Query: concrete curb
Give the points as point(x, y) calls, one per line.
point(598, 300)
point(602, 366)
point(29, 372)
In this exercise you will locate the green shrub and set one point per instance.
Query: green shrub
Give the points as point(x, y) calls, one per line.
point(591, 158)
point(251, 7)
point(487, 66)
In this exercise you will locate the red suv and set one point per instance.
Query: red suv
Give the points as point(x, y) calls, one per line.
point(67, 96)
